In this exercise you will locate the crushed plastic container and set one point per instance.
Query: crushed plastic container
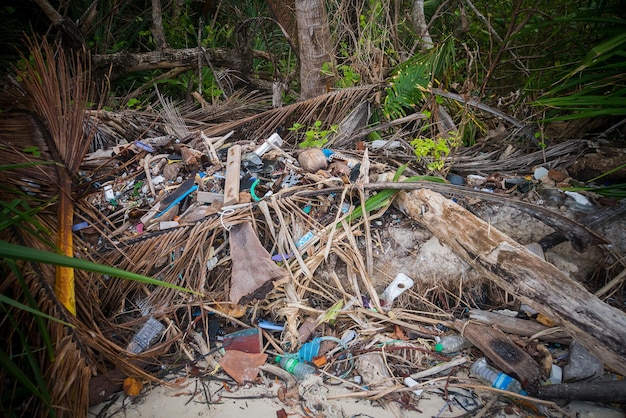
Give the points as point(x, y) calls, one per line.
point(309, 350)
point(145, 336)
point(451, 344)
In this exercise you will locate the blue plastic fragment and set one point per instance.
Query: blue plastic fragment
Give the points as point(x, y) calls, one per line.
point(273, 326)
point(281, 257)
point(309, 350)
point(78, 227)
point(143, 146)
point(327, 152)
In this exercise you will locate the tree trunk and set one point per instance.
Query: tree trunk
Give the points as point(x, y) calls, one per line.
point(421, 27)
point(314, 45)
point(157, 25)
point(284, 13)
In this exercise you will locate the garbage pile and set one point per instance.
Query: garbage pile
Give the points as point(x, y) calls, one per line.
point(288, 250)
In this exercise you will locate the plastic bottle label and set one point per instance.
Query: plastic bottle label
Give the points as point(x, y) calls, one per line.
point(291, 364)
point(502, 381)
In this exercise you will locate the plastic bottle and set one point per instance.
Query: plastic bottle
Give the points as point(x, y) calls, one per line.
point(145, 336)
point(498, 380)
point(451, 344)
point(297, 368)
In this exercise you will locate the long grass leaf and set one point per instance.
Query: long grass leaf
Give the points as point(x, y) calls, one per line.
point(17, 372)
point(18, 305)
point(41, 325)
point(12, 251)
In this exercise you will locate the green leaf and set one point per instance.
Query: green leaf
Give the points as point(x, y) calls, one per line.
point(17, 372)
point(23, 307)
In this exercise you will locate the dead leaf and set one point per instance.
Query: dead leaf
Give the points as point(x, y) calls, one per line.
point(548, 322)
point(132, 386)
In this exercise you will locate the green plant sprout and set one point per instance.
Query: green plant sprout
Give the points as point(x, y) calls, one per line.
point(347, 76)
point(34, 151)
point(437, 149)
point(314, 136)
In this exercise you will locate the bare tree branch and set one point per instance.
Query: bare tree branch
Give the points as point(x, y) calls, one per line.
point(483, 19)
point(121, 63)
point(73, 37)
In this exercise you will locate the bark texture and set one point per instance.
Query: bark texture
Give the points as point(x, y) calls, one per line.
point(122, 63)
point(314, 46)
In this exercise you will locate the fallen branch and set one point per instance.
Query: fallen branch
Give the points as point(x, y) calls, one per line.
point(603, 391)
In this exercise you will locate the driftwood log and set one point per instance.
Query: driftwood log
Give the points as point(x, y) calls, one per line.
point(534, 281)
point(599, 391)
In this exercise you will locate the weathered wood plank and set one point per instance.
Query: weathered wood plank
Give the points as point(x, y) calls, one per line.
point(502, 351)
point(598, 326)
point(233, 168)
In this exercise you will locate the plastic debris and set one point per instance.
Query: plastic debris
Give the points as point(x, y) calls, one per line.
point(451, 344)
point(495, 378)
point(399, 285)
point(148, 333)
point(297, 368)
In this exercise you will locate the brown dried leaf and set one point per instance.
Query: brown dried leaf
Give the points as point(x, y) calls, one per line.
point(132, 386)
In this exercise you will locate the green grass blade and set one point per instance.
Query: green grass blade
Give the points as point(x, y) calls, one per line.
point(381, 198)
point(12, 251)
point(18, 305)
point(14, 370)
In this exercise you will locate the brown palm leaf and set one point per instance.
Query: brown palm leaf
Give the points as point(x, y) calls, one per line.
point(45, 141)
point(58, 89)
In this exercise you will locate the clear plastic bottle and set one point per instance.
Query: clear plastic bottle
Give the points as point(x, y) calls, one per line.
point(497, 379)
point(297, 368)
point(451, 344)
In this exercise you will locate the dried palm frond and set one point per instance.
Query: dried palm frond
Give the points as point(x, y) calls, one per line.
point(49, 139)
point(330, 108)
point(30, 171)
point(50, 354)
point(174, 123)
point(58, 90)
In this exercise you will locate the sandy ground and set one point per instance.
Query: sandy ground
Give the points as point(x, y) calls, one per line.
point(189, 399)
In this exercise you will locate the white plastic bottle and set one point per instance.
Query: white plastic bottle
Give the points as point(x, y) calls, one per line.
point(497, 379)
point(297, 368)
point(451, 344)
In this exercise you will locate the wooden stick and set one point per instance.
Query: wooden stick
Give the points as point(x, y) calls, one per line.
point(233, 167)
point(519, 326)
